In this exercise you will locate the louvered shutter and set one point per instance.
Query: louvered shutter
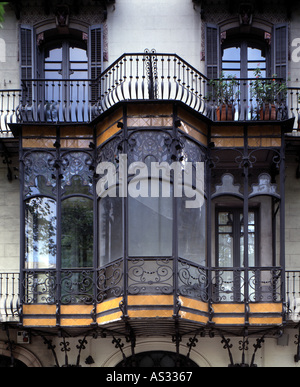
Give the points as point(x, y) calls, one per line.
point(95, 60)
point(280, 50)
point(26, 60)
point(212, 51)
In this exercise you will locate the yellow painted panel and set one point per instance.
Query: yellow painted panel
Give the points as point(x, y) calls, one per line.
point(76, 131)
point(77, 144)
point(229, 308)
point(79, 322)
point(228, 142)
point(109, 318)
point(149, 121)
point(39, 309)
point(265, 320)
point(194, 304)
point(109, 305)
point(193, 317)
point(150, 313)
point(193, 133)
point(227, 131)
point(76, 309)
point(192, 120)
point(38, 143)
point(149, 109)
point(39, 131)
point(35, 322)
point(109, 121)
point(229, 320)
point(269, 130)
point(150, 300)
point(264, 142)
point(265, 308)
point(107, 134)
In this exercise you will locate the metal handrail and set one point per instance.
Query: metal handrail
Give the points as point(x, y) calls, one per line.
point(137, 76)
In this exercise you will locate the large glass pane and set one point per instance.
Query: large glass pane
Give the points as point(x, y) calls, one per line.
point(150, 226)
point(231, 62)
point(40, 233)
point(225, 239)
point(255, 60)
point(53, 63)
point(251, 240)
point(110, 230)
point(79, 87)
point(77, 233)
point(191, 233)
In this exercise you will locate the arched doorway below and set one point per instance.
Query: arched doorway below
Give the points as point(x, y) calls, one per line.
point(6, 362)
point(157, 359)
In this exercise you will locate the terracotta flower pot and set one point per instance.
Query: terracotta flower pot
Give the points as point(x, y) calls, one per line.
point(225, 113)
point(266, 114)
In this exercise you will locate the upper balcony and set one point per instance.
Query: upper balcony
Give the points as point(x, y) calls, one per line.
point(147, 76)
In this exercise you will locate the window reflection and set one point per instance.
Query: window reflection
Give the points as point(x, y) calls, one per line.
point(150, 226)
point(77, 233)
point(110, 230)
point(191, 233)
point(40, 233)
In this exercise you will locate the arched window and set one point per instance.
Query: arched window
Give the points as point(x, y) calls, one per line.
point(238, 53)
point(240, 57)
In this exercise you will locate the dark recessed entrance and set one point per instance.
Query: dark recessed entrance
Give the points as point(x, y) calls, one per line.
point(6, 362)
point(158, 359)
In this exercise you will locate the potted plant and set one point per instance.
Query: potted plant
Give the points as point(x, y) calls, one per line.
point(267, 95)
point(224, 92)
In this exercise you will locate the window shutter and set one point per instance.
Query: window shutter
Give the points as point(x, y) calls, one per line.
point(26, 60)
point(95, 59)
point(26, 52)
point(212, 51)
point(280, 50)
point(95, 51)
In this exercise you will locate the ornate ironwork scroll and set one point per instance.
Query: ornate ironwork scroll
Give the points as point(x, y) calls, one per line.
point(110, 281)
point(40, 287)
point(153, 276)
point(151, 71)
point(192, 281)
point(77, 164)
point(39, 170)
point(77, 286)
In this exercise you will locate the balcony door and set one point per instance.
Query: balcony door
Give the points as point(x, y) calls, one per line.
point(240, 60)
point(240, 54)
point(65, 70)
point(59, 74)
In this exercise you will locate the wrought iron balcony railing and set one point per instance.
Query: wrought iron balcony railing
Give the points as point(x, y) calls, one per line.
point(9, 296)
point(146, 76)
point(90, 287)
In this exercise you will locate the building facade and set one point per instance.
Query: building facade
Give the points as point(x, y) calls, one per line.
point(149, 205)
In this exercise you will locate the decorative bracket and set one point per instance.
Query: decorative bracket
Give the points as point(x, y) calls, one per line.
point(244, 346)
point(297, 342)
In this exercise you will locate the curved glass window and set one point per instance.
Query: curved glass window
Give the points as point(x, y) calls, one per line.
point(191, 233)
point(40, 233)
point(110, 241)
point(150, 226)
point(77, 232)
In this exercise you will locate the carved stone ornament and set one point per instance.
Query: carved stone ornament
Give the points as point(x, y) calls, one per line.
point(264, 187)
point(227, 187)
point(62, 14)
